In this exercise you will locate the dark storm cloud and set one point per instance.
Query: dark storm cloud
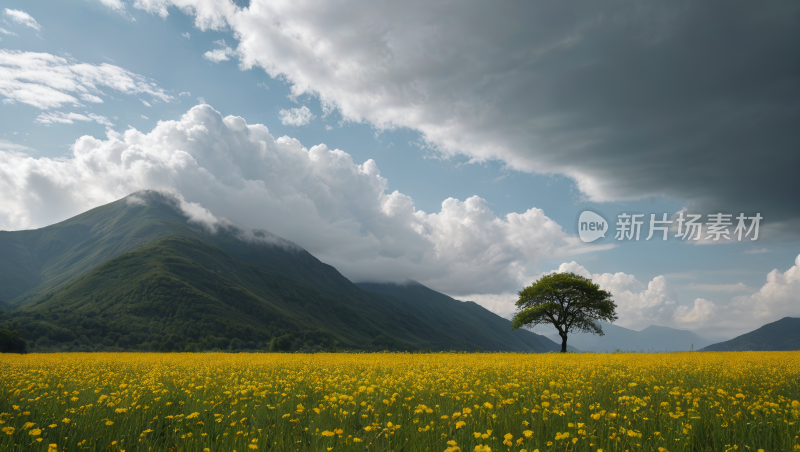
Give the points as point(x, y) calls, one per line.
point(696, 101)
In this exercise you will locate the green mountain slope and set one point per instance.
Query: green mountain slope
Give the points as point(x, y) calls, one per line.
point(471, 324)
point(34, 262)
point(782, 335)
point(43, 260)
point(136, 274)
point(189, 289)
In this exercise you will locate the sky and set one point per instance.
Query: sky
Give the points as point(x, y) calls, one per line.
point(451, 143)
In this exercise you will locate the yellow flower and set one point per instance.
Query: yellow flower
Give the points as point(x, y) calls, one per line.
point(253, 446)
point(327, 433)
point(35, 432)
point(109, 422)
point(527, 433)
point(8, 430)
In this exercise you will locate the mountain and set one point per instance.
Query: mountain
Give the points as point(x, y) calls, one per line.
point(652, 338)
point(137, 274)
point(776, 336)
point(473, 325)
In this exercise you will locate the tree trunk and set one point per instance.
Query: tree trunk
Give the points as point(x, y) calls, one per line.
point(563, 342)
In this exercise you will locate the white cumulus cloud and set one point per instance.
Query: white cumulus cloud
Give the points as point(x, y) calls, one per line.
point(46, 81)
point(22, 18)
point(296, 116)
point(341, 211)
point(218, 55)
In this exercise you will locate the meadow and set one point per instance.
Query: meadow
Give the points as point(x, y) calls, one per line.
point(391, 402)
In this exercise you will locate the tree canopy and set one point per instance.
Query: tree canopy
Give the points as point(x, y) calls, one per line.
point(569, 302)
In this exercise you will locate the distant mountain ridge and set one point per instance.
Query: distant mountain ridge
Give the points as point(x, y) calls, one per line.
point(470, 322)
point(781, 335)
point(652, 338)
point(136, 274)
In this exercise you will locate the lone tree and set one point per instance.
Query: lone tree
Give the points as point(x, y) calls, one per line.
point(569, 302)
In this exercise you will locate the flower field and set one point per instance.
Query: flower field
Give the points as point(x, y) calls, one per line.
point(410, 402)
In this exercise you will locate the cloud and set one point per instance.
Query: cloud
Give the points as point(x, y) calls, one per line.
point(91, 98)
point(6, 32)
point(186, 35)
point(146, 104)
point(58, 117)
point(218, 55)
point(296, 116)
point(8, 145)
point(46, 81)
point(656, 303)
point(618, 97)
point(341, 211)
point(102, 120)
point(116, 5)
point(22, 18)
point(199, 215)
point(145, 117)
point(185, 93)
